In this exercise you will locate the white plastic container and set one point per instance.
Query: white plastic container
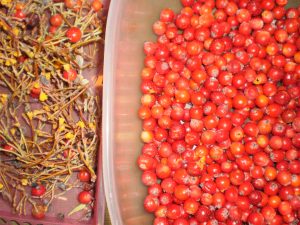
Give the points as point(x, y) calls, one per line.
point(128, 27)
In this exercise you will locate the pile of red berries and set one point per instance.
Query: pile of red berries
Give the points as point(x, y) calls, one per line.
point(220, 110)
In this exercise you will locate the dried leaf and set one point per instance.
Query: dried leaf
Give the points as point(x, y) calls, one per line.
point(61, 186)
point(44, 80)
point(77, 209)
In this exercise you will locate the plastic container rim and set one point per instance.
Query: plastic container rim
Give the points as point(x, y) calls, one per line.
point(108, 112)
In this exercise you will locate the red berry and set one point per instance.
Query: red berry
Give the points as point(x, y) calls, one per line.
point(74, 34)
point(85, 197)
point(38, 190)
point(84, 176)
